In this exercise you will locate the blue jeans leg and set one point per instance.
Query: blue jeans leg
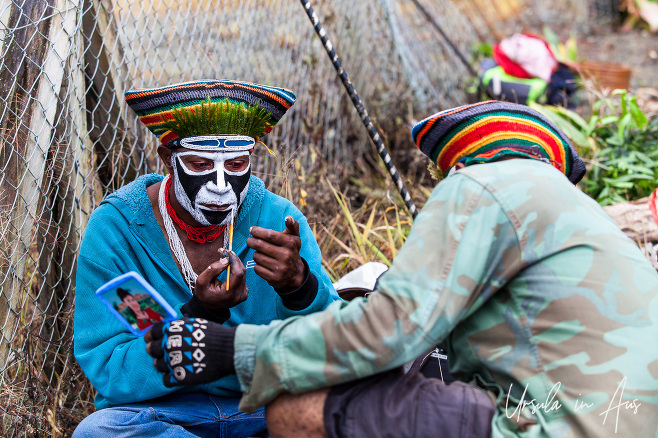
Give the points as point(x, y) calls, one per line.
point(176, 415)
point(235, 423)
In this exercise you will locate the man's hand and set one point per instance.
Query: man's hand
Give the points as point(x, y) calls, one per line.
point(191, 351)
point(277, 256)
point(213, 294)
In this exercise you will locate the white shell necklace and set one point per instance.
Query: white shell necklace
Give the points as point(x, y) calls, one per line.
point(175, 243)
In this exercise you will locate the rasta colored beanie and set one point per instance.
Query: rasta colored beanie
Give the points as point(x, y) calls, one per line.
point(210, 108)
point(487, 131)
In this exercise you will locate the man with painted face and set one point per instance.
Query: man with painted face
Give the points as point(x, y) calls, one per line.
point(176, 231)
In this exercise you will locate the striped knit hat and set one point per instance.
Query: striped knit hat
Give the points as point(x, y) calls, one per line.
point(486, 131)
point(160, 108)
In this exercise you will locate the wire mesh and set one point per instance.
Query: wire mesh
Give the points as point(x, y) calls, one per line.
point(67, 138)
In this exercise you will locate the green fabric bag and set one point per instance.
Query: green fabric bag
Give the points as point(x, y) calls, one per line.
point(501, 86)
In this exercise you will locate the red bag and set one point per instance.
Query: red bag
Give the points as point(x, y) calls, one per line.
point(525, 56)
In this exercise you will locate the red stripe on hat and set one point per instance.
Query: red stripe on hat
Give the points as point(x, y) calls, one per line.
point(155, 119)
point(168, 136)
point(500, 127)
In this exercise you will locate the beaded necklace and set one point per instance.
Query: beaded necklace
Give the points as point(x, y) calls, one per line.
point(195, 234)
point(175, 243)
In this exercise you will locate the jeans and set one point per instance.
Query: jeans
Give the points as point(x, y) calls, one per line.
point(175, 415)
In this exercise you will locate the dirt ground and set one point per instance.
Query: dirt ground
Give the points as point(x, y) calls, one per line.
point(637, 49)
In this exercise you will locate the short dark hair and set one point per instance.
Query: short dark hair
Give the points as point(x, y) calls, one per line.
point(123, 293)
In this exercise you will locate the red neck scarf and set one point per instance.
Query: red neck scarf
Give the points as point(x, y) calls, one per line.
point(197, 235)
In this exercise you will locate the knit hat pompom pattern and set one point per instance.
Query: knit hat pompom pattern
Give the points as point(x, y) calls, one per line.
point(487, 131)
point(210, 107)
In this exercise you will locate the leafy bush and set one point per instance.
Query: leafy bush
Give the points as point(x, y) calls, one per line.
point(619, 145)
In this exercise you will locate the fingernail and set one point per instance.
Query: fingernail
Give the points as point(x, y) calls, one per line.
point(224, 260)
point(250, 228)
point(288, 218)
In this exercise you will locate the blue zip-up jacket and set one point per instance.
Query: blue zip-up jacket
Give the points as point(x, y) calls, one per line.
point(123, 235)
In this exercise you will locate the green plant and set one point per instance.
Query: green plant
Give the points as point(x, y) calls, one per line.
point(563, 52)
point(618, 143)
point(480, 51)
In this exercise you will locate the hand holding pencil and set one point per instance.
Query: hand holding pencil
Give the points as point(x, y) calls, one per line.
point(215, 295)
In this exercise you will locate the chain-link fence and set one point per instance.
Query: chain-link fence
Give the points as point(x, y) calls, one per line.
point(67, 138)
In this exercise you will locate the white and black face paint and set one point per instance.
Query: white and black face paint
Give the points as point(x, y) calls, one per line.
point(213, 193)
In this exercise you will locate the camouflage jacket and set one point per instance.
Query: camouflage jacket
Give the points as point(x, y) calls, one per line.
point(533, 290)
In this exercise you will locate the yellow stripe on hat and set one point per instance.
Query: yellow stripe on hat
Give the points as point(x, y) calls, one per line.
point(501, 135)
point(504, 135)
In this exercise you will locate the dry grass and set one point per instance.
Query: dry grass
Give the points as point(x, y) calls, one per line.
point(43, 392)
point(33, 403)
point(360, 218)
